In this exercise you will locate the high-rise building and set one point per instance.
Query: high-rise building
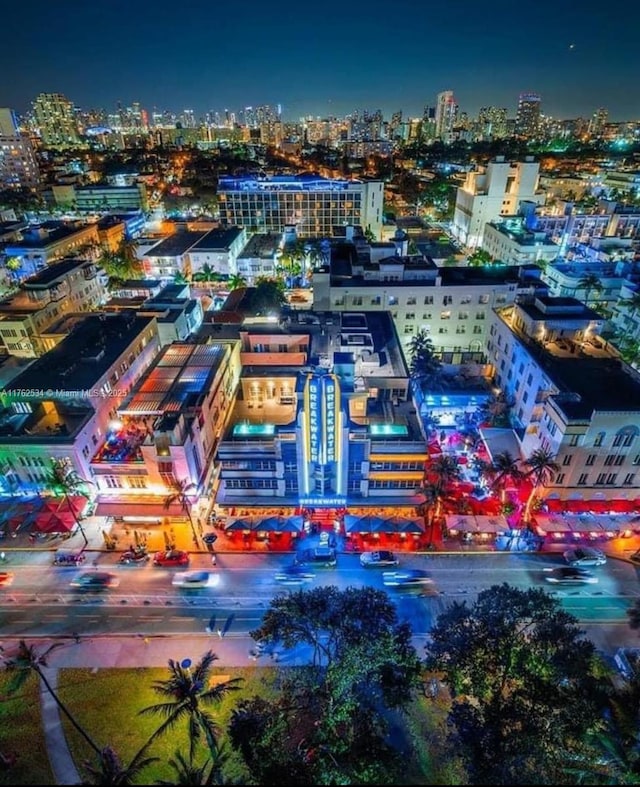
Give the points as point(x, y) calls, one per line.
point(446, 114)
point(598, 122)
point(528, 115)
point(493, 122)
point(56, 120)
point(18, 166)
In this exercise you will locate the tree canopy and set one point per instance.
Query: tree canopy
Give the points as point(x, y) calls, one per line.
point(526, 686)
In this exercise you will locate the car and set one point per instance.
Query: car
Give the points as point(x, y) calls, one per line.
point(323, 557)
point(195, 579)
point(294, 575)
point(382, 557)
point(585, 556)
point(95, 580)
point(170, 558)
point(134, 557)
point(6, 578)
point(570, 575)
point(406, 578)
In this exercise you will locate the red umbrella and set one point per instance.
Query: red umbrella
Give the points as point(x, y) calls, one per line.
point(53, 523)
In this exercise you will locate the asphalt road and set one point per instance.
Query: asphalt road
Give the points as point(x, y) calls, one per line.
point(40, 602)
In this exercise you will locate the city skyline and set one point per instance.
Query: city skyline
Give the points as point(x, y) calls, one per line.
point(330, 64)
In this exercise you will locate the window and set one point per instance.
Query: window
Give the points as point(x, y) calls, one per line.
point(426, 316)
point(574, 439)
point(566, 460)
point(411, 300)
point(477, 329)
point(600, 479)
point(582, 480)
point(483, 299)
point(599, 439)
point(409, 329)
point(463, 315)
point(611, 478)
point(447, 300)
point(590, 460)
point(428, 300)
point(445, 315)
point(410, 316)
point(609, 460)
point(629, 479)
point(560, 478)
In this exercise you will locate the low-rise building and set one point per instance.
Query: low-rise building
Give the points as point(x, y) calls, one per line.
point(569, 396)
point(323, 417)
point(167, 430)
point(50, 242)
point(63, 288)
point(171, 255)
point(509, 241)
point(219, 249)
point(60, 406)
point(259, 256)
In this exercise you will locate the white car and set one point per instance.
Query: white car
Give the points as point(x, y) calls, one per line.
point(582, 557)
point(380, 558)
point(195, 579)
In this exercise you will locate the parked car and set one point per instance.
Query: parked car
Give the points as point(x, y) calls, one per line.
point(585, 556)
point(406, 578)
point(170, 558)
point(383, 557)
point(6, 578)
point(323, 557)
point(68, 557)
point(95, 580)
point(570, 575)
point(192, 580)
point(135, 557)
point(294, 575)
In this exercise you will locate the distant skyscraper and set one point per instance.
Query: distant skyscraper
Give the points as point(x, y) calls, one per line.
point(446, 114)
point(528, 115)
point(18, 167)
point(598, 122)
point(56, 120)
point(493, 122)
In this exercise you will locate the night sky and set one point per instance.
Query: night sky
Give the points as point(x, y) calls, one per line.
point(324, 58)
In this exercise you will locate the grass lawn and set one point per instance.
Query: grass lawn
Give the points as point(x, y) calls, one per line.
point(21, 734)
point(106, 703)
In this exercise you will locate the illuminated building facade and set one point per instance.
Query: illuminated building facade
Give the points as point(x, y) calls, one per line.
point(312, 204)
point(18, 165)
point(323, 418)
point(528, 117)
point(87, 377)
point(56, 120)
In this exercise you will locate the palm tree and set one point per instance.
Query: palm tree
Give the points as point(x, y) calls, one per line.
point(632, 304)
point(236, 281)
point(63, 478)
point(542, 468)
point(445, 469)
point(423, 364)
point(180, 494)
point(110, 769)
point(207, 275)
point(180, 278)
point(28, 660)
point(504, 468)
point(186, 693)
point(431, 492)
point(210, 772)
point(588, 283)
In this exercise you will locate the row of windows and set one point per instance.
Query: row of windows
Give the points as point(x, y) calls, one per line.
point(395, 466)
point(602, 479)
point(249, 464)
point(392, 484)
point(251, 483)
point(460, 329)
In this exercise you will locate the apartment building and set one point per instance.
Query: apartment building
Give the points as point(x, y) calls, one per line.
point(61, 405)
point(66, 287)
point(453, 304)
point(313, 205)
point(491, 192)
point(570, 396)
point(219, 249)
point(259, 256)
point(18, 165)
point(50, 242)
point(509, 241)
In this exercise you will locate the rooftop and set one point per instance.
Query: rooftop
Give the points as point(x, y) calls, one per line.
point(217, 239)
point(83, 357)
point(53, 272)
point(176, 244)
point(262, 245)
point(52, 235)
point(178, 380)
